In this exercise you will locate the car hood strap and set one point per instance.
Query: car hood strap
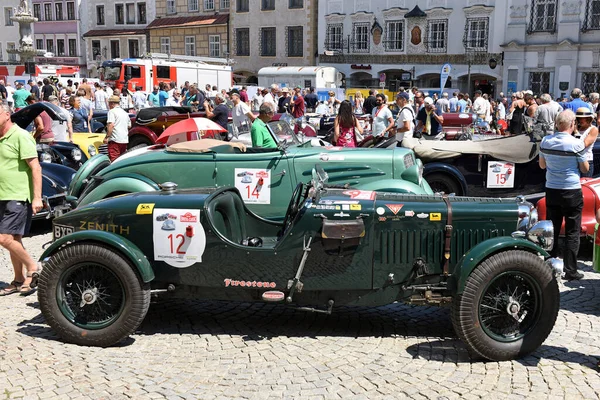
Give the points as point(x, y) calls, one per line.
point(448, 240)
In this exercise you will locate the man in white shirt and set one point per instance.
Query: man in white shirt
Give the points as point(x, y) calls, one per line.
point(117, 129)
point(241, 115)
point(257, 99)
point(139, 98)
point(481, 108)
point(381, 117)
point(271, 97)
point(405, 125)
point(101, 99)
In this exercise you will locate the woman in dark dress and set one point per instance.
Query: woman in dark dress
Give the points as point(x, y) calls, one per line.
point(517, 109)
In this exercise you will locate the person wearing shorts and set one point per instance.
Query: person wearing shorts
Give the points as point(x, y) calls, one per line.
point(20, 198)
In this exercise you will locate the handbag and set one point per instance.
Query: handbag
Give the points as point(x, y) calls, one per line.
point(358, 137)
point(509, 115)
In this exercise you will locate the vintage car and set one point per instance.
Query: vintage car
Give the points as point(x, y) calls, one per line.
point(504, 166)
point(65, 153)
point(590, 188)
point(214, 163)
point(149, 123)
point(335, 247)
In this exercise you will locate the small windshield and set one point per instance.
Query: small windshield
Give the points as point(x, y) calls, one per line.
point(282, 130)
point(112, 70)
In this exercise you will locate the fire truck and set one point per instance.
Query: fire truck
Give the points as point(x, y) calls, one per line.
point(157, 67)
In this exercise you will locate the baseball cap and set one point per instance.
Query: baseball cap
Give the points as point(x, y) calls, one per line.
point(285, 90)
point(428, 101)
point(403, 95)
point(52, 98)
point(298, 87)
point(114, 99)
point(234, 92)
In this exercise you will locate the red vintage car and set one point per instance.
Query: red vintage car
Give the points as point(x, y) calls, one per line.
point(591, 204)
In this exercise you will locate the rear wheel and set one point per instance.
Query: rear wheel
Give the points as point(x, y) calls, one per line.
point(509, 306)
point(440, 182)
point(90, 295)
point(138, 141)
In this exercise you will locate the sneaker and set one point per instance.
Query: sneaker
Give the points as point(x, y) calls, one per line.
point(575, 276)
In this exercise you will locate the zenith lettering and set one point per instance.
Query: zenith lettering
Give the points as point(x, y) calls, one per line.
point(94, 226)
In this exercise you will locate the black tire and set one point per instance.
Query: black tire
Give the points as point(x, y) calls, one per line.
point(480, 315)
point(138, 141)
point(119, 299)
point(441, 182)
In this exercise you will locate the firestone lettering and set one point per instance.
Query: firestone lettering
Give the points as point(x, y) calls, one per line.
point(231, 282)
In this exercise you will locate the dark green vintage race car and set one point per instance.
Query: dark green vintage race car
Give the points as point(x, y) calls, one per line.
point(336, 247)
point(265, 177)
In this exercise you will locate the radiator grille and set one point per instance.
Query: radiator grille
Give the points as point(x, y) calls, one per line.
point(399, 247)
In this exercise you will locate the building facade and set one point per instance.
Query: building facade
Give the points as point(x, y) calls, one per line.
point(9, 39)
point(267, 33)
point(116, 30)
point(58, 32)
point(406, 42)
point(191, 28)
point(552, 46)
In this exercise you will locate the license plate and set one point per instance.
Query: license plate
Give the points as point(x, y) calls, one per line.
point(62, 230)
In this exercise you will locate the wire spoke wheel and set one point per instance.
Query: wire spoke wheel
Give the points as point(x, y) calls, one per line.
point(509, 307)
point(90, 296)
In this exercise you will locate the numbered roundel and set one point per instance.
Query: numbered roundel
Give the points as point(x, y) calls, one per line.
point(178, 236)
point(254, 185)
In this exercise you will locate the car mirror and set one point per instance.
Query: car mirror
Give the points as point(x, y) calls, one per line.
point(282, 145)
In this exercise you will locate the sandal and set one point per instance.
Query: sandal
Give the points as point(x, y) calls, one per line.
point(16, 287)
point(26, 290)
point(35, 275)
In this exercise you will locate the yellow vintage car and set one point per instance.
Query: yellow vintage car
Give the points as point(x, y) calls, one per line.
point(89, 143)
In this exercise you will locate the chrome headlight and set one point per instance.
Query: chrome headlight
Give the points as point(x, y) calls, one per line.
point(525, 211)
point(92, 150)
point(533, 217)
point(76, 154)
point(420, 171)
point(542, 234)
point(45, 157)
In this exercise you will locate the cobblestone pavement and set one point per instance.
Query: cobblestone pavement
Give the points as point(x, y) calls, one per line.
point(206, 350)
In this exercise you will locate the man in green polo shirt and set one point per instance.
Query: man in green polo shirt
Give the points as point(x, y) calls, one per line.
point(20, 198)
point(260, 134)
point(19, 96)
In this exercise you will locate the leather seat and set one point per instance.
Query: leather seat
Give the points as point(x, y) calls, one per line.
point(227, 215)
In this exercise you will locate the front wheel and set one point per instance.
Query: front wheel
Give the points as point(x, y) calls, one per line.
point(509, 306)
point(440, 182)
point(90, 295)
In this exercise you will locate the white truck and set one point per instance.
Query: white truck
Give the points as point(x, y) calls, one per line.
point(305, 77)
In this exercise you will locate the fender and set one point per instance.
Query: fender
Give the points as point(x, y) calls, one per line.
point(483, 250)
point(396, 186)
point(446, 169)
point(130, 183)
point(116, 242)
point(142, 131)
point(92, 166)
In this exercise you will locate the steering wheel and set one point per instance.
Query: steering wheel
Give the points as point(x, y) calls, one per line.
point(293, 207)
